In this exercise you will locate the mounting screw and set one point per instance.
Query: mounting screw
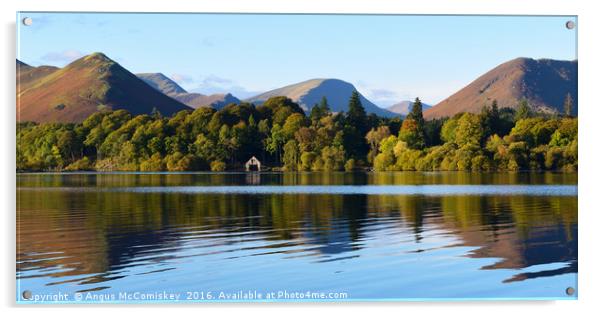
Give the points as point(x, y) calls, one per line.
point(570, 290)
point(570, 25)
point(27, 21)
point(26, 294)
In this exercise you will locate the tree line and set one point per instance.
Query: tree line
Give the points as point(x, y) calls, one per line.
point(282, 136)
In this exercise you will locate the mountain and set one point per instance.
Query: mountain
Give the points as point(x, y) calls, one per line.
point(87, 85)
point(216, 101)
point(544, 83)
point(310, 92)
point(404, 107)
point(195, 100)
point(27, 75)
point(161, 83)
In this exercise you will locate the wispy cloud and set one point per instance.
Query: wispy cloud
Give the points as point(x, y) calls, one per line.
point(181, 78)
point(63, 57)
point(214, 84)
point(381, 97)
point(383, 94)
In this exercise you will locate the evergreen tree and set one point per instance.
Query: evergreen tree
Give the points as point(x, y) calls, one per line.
point(356, 114)
point(324, 107)
point(568, 105)
point(155, 114)
point(315, 114)
point(490, 117)
point(523, 110)
point(320, 110)
point(416, 116)
point(416, 112)
point(356, 127)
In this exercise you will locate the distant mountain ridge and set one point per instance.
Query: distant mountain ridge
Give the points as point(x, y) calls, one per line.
point(97, 83)
point(216, 101)
point(195, 100)
point(28, 75)
point(87, 85)
point(161, 83)
point(310, 92)
point(405, 107)
point(544, 83)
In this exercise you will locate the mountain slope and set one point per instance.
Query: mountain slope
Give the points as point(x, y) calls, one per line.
point(90, 84)
point(310, 92)
point(216, 101)
point(543, 82)
point(404, 107)
point(27, 75)
point(195, 100)
point(161, 83)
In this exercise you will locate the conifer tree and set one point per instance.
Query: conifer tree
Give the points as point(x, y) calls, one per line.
point(568, 105)
point(416, 116)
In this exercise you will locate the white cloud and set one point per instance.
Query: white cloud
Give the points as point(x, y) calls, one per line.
point(64, 57)
point(181, 78)
point(214, 84)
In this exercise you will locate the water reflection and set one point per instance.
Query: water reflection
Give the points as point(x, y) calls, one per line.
point(117, 239)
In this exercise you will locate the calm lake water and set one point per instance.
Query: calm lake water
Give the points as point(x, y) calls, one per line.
point(351, 236)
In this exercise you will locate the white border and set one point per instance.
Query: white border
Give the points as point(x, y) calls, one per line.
point(590, 114)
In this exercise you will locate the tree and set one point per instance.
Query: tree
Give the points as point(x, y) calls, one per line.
point(333, 157)
point(350, 165)
point(356, 114)
point(523, 111)
point(218, 166)
point(374, 137)
point(291, 155)
point(276, 141)
point(411, 134)
point(355, 128)
point(306, 137)
point(568, 105)
point(154, 163)
point(416, 113)
point(416, 123)
point(307, 160)
point(432, 131)
point(469, 130)
point(319, 111)
point(495, 139)
point(490, 117)
point(292, 124)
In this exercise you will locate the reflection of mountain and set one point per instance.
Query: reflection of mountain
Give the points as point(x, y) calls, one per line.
point(521, 231)
point(101, 233)
point(79, 244)
point(342, 233)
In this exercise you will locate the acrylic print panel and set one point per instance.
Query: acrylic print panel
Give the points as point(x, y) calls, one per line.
point(255, 158)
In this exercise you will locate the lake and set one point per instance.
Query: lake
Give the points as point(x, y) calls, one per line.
point(302, 236)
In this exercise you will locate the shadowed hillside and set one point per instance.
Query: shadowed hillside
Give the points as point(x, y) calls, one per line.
point(544, 83)
point(196, 100)
point(161, 83)
point(216, 101)
point(90, 84)
point(310, 92)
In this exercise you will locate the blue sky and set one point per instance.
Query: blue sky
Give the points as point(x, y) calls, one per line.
point(387, 58)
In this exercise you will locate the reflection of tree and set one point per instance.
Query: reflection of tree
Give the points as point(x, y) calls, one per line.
point(520, 230)
point(97, 232)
